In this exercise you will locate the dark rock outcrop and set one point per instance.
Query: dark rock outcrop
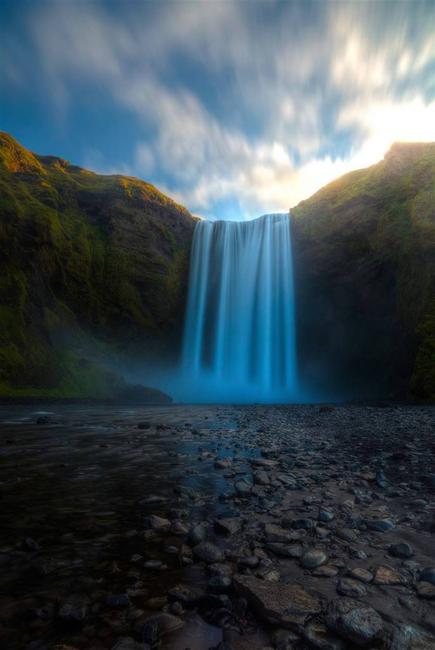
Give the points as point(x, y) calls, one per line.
point(364, 250)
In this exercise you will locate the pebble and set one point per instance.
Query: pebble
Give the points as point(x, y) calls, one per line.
point(380, 525)
point(286, 550)
point(428, 575)
point(158, 524)
point(326, 571)
point(74, 609)
point(325, 516)
point(318, 636)
point(197, 534)
point(219, 584)
point(346, 534)
point(287, 605)
point(186, 594)
point(357, 623)
point(208, 552)
point(243, 486)
point(363, 575)
point(160, 625)
point(351, 588)
point(385, 575)
point(313, 558)
point(401, 550)
point(228, 525)
point(261, 478)
point(117, 600)
point(426, 590)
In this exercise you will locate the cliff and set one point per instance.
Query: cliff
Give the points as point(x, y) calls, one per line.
point(364, 250)
point(92, 267)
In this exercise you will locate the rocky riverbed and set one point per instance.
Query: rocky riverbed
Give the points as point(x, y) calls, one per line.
point(217, 527)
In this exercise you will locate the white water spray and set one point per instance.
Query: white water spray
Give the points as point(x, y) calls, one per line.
point(239, 337)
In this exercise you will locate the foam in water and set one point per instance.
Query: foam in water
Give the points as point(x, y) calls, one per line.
point(239, 336)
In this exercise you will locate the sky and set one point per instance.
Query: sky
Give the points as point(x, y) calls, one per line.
point(234, 109)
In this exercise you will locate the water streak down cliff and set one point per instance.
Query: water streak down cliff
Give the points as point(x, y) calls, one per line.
point(239, 339)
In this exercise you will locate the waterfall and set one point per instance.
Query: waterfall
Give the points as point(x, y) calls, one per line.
point(239, 335)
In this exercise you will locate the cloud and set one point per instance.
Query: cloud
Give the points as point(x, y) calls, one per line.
point(260, 102)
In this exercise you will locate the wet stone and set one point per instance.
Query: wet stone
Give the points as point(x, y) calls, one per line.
point(117, 600)
point(243, 486)
point(325, 515)
point(228, 525)
point(74, 609)
point(249, 562)
point(208, 552)
point(276, 534)
point(426, 590)
point(186, 594)
point(261, 478)
point(354, 621)
point(381, 479)
point(299, 524)
point(346, 534)
point(178, 528)
point(220, 569)
point(351, 588)
point(313, 558)
point(363, 575)
point(409, 637)
point(197, 534)
point(158, 524)
point(153, 565)
point(284, 639)
point(385, 575)
point(280, 604)
point(219, 584)
point(159, 625)
point(326, 571)
point(176, 608)
point(286, 550)
point(402, 550)
point(428, 575)
point(268, 573)
point(318, 636)
point(380, 525)
point(223, 463)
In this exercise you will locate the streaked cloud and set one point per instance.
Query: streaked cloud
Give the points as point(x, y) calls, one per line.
point(257, 104)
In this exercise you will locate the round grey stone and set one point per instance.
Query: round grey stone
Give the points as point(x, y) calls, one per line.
point(313, 558)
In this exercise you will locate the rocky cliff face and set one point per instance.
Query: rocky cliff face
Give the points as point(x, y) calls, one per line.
point(92, 266)
point(364, 250)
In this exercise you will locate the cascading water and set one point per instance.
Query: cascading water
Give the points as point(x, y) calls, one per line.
point(239, 337)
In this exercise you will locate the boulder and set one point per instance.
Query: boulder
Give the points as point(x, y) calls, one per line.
point(287, 605)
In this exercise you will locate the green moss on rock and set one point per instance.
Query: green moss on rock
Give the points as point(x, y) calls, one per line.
point(85, 257)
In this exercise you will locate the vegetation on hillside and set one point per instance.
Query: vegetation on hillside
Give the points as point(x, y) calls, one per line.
point(91, 265)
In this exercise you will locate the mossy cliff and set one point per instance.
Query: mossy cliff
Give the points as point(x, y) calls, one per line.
point(92, 267)
point(364, 250)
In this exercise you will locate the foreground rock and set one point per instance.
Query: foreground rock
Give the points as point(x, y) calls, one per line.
point(354, 621)
point(287, 605)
